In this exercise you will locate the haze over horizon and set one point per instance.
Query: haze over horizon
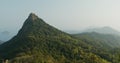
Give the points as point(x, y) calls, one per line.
point(63, 14)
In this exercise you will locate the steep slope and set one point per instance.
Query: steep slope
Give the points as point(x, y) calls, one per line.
point(38, 42)
point(104, 30)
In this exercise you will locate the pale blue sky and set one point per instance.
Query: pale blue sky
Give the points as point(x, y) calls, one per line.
point(63, 14)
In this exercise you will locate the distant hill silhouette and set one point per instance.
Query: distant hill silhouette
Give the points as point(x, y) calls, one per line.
point(1, 42)
point(104, 30)
point(6, 35)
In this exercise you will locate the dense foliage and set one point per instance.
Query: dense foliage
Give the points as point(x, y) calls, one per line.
point(38, 42)
point(105, 45)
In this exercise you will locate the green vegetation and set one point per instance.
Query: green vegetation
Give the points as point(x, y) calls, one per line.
point(105, 45)
point(38, 42)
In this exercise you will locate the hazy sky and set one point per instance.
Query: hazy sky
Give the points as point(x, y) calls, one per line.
point(63, 14)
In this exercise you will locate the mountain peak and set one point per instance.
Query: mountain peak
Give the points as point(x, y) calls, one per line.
point(33, 16)
point(38, 42)
point(37, 26)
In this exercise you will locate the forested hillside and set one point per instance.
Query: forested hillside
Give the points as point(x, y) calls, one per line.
point(39, 42)
point(106, 46)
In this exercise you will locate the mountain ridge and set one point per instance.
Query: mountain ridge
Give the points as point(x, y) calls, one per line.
point(108, 39)
point(39, 42)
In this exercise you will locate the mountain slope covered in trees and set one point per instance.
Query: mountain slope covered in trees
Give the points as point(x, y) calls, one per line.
point(99, 39)
point(39, 42)
point(106, 46)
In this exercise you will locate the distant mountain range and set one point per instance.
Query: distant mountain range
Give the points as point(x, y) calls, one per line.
point(39, 42)
point(103, 30)
point(1, 42)
point(6, 35)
